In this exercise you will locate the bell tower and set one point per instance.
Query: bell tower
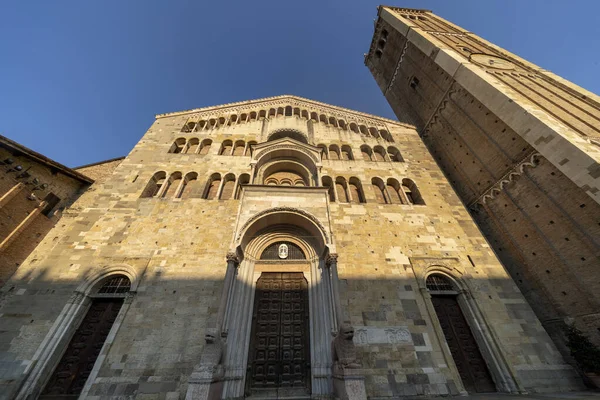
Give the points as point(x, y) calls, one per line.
point(520, 145)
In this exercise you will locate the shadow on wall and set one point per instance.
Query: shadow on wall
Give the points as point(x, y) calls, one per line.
point(149, 338)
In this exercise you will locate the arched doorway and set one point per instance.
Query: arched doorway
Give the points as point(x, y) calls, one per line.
point(467, 357)
point(280, 312)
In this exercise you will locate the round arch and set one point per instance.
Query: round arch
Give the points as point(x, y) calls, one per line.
point(91, 283)
point(288, 133)
point(301, 160)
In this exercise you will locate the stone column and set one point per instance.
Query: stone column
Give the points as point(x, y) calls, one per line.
point(335, 286)
point(232, 264)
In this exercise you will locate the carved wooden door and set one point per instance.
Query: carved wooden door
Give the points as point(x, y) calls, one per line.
point(74, 368)
point(279, 356)
point(465, 352)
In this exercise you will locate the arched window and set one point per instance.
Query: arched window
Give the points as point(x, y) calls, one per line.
point(412, 192)
point(347, 153)
point(288, 134)
point(343, 124)
point(221, 121)
point(249, 147)
point(288, 111)
point(244, 179)
point(324, 152)
point(239, 148)
point(189, 126)
point(228, 187)
point(190, 186)
point(354, 127)
point(341, 190)
point(439, 283)
point(226, 148)
point(314, 116)
point(374, 133)
point(212, 186)
point(172, 185)
point(386, 135)
point(177, 146)
point(205, 146)
point(262, 114)
point(356, 192)
point(394, 154)
point(366, 152)
point(393, 189)
point(328, 183)
point(333, 121)
point(363, 130)
point(304, 114)
point(154, 185)
point(296, 112)
point(233, 119)
point(243, 118)
point(379, 190)
point(334, 152)
point(192, 146)
point(272, 112)
point(77, 362)
point(379, 153)
point(212, 123)
point(201, 125)
point(253, 116)
point(280, 112)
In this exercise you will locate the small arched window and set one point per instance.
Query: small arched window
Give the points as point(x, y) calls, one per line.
point(379, 190)
point(243, 180)
point(363, 130)
point(341, 190)
point(379, 153)
point(205, 146)
point(333, 121)
point(334, 152)
point(189, 126)
point(394, 154)
point(393, 189)
point(374, 132)
point(314, 116)
point(366, 152)
point(439, 283)
point(347, 153)
point(228, 187)
point(328, 183)
point(192, 146)
point(280, 112)
point(354, 127)
point(226, 148)
point(154, 185)
point(343, 124)
point(356, 192)
point(212, 186)
point(177, 146)
point(324, 152)
point(239, 148)
point(262, 114)
point(190, 186)
point(272, 112)
point(304, 114)
point(172, 185)
point(288, 111)
point(412, 192)
point(253, 116)
point(323, 118)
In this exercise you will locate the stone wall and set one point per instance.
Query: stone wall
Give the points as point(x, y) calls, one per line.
point(174, 251)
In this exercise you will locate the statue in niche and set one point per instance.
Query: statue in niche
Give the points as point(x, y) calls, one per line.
point(343, 349)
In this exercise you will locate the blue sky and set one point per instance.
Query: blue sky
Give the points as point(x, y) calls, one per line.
point(81, 81)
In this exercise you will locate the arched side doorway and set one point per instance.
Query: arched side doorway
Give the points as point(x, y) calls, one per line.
point(467, 357)
point(280, 311)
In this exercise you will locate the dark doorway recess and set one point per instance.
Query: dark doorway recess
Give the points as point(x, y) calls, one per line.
point(279, 356)
point(76, 364)
point(465, 352)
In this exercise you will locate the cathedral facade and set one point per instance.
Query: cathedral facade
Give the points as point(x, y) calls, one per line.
point(271, 248)
point(519, 144)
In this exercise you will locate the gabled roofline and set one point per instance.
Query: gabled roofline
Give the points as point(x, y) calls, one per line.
point(100, 162)
point(283, 97)
point(42, 159)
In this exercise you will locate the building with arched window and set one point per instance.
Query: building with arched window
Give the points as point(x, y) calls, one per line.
point(221, 254)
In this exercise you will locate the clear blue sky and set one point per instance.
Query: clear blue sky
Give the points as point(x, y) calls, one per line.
point(81, 81)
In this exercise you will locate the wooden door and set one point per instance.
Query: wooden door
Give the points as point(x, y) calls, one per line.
point(465, 352)
point(75, 367)
point(279, 356)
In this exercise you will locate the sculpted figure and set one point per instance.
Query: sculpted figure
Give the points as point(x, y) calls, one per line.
point(213, 350)
point(342, 348)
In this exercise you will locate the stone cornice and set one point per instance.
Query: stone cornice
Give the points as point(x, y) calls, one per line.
point(283, 100)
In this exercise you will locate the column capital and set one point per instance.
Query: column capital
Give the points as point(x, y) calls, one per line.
point(232, 257)
point(331, 259)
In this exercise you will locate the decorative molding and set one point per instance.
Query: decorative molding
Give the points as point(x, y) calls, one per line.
point(530, 161)
point(248, 106)
point(369, 335)
point(402, 54)
point(275, 210)
point(287, 146)
point(435, 117)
